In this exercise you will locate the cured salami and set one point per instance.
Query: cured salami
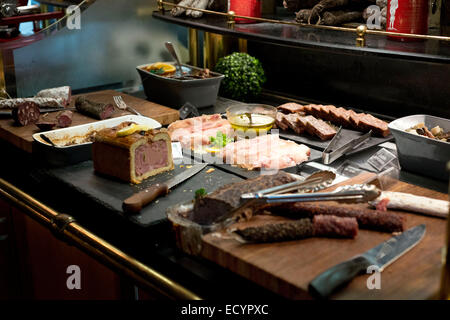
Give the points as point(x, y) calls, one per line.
point(93, 109)
point(280, 231)
point(320, 226)
point(46, 125)
point(40, 102)
point(335, 227)
point(61, 94)
point(48, 98)
point(367, 218)
point(64, 119)
point(410, 202)
point(26, 113)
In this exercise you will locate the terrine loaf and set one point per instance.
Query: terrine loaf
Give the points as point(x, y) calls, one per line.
point(132, 157)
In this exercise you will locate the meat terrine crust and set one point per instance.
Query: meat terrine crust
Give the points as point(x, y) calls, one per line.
point(115, 156)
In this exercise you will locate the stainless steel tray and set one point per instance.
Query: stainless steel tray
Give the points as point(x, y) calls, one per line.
point(420, 154)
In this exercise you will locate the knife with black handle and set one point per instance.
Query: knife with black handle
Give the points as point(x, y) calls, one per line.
point(136, 202)
point(381, 256)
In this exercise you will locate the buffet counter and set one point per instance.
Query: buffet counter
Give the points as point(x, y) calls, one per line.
point(140, 251)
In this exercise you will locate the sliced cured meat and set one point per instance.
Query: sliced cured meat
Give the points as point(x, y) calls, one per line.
point(64, 119)
point(279, 121)
point(46, 125)
point(218, 204)
point(320, 129)
point(315, 110)
point(26, 113)
point(354, 119)
point(267, 151)
point(191, 122)
point(290, 107)
point(325, 112)
point(278, 231)
point(40, 102)
point(197, 131)
point(293, 121)
point(62, 94)
point(335, 227)
point(368, 122)
point(94, 109)
point(367, 218)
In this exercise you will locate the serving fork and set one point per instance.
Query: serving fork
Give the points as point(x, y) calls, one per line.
point(118, 100)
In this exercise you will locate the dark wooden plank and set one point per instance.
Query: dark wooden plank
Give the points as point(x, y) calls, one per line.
point(287, 268)
point(21, 137)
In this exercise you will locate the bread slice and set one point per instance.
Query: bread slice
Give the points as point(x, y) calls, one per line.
point(132, 158)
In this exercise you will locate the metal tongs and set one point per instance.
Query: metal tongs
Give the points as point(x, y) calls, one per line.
point(350, 193)
point(330, 154)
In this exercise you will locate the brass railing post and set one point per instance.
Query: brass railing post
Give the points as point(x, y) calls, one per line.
point(161, 6)
point(361, 33)
point(193, 47)
point(231, 19)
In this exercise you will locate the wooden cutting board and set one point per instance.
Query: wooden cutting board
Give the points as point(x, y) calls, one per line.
point(286, 268)
point(21, 137)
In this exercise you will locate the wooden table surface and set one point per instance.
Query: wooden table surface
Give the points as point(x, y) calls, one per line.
point(287, 268)
point(21, 137)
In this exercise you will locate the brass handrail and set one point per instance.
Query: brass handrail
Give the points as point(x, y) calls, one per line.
point(231, 16)
point(95, 246)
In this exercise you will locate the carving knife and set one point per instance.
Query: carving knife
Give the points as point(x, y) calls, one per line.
point(380, 256)
point(136, 202)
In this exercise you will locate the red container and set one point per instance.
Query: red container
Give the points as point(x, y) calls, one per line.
point(407, 16)
point(248, 8)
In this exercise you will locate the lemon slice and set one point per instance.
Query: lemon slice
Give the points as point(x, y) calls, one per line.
point(212, 149)
point(165, 67)
point(132, 129)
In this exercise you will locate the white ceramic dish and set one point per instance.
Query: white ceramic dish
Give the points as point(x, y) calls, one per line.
point(80, 150)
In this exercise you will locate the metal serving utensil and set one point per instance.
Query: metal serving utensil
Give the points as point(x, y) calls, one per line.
point(350, 193)
point(330, 154)
point(118, 100)
point(171, 49)
point(316, 181)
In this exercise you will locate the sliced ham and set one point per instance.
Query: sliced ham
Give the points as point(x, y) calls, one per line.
point(197, 131)
point(267, 151)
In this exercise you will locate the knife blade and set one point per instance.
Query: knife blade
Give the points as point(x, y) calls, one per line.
point(8, 112)
point(381, 256)
point(136, 202)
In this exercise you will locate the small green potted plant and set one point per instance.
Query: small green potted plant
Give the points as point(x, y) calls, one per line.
point(244, 76)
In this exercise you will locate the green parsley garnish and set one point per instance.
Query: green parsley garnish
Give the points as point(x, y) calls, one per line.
point(200, 193)
point(220, 140)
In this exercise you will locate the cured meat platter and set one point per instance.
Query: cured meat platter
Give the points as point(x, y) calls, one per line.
point(287, 268)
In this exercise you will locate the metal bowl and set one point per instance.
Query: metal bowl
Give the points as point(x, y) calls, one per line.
point(421, 154)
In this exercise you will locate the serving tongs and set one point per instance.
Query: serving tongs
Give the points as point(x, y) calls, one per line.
point(331, 153)
point(356, 193)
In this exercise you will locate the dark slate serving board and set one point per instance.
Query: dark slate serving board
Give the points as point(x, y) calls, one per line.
point(111, 193)
point(347, 135)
